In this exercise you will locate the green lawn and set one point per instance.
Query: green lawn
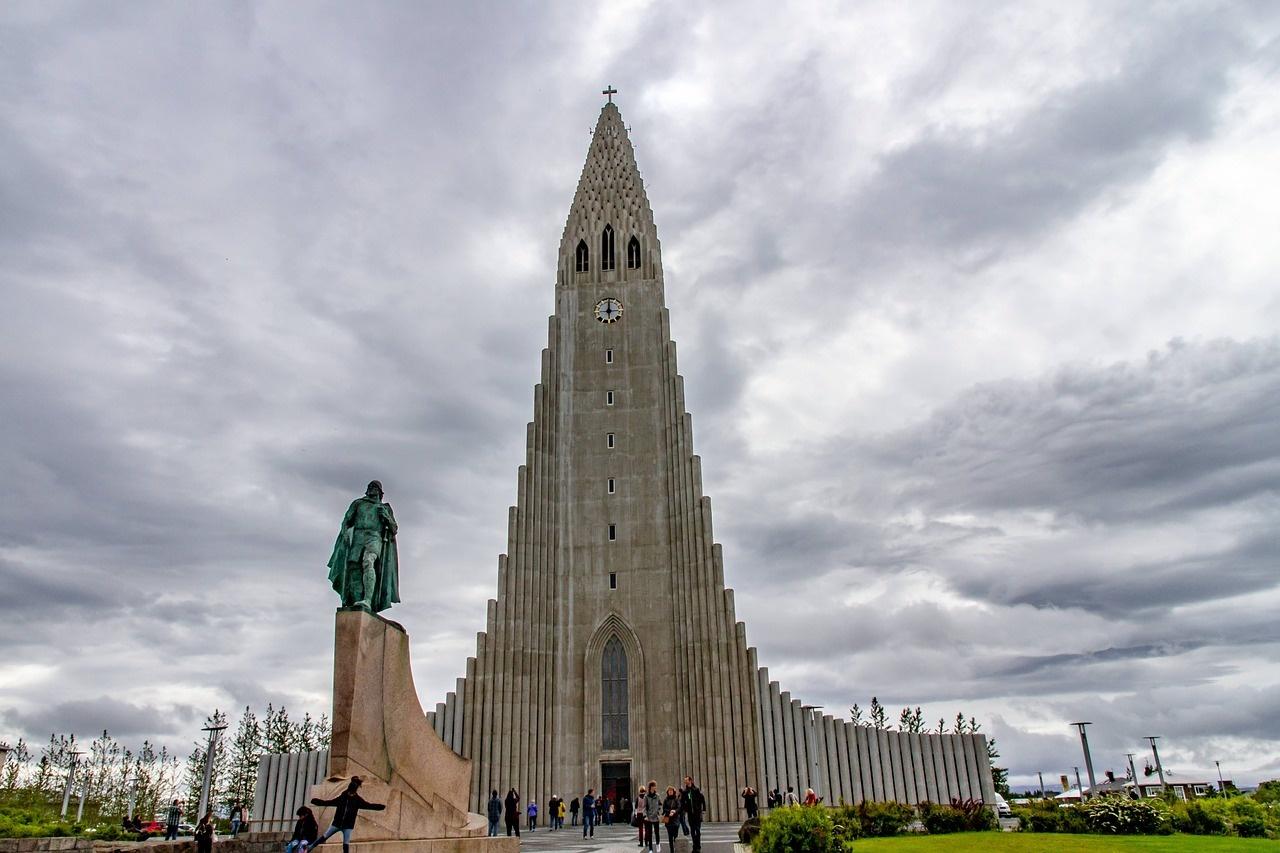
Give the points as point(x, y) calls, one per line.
point(1028, 842)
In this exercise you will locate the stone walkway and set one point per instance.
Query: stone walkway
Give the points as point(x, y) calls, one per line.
point(716, 838)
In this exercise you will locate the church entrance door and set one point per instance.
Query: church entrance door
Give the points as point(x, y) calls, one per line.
point(615, 780)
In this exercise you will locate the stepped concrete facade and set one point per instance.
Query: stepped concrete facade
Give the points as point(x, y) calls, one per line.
point(612, 653)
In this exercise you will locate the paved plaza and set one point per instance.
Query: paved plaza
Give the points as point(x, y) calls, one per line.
point(716, 838)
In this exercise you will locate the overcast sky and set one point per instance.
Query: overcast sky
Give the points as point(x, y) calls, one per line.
point(977, 307)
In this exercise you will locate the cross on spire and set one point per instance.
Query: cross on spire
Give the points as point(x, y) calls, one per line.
point(610, 91)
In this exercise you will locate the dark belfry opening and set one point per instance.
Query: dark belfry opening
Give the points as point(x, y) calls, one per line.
point(581, 257)
point(614, 726)
point(633, 254)
point(606, 249)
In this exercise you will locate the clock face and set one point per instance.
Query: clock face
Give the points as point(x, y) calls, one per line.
point(609, 310)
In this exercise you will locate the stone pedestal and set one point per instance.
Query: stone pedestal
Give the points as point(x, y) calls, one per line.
point(381, 735)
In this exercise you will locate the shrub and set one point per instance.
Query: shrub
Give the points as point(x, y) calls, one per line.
point(1116, 816)
point(800, 829)
point(1251, 827)
point(940, 819)
point(882, 820)
point(959, 816)
point(1195, 819)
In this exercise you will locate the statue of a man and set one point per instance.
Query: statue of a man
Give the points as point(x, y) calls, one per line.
point(364, 568)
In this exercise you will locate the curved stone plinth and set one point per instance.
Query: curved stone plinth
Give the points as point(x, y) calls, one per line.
point(381, 735)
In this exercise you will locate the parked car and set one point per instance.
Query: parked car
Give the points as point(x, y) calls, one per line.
point(1002, 807)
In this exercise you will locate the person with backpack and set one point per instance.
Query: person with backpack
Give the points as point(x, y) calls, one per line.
point(348, 805)
point(573, 811)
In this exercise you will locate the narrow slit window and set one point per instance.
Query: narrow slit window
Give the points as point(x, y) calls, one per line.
point(613, 580)
point(608, 356)
point(633, 254)
point(613, 532)
point(581, 257)
point(610, 440)
point(606, 249)
point(608, 398)
point(611, 487)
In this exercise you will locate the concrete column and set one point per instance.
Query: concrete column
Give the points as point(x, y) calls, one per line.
point(971, 782)
point(886, 764)
point(833, 761)
point(954, 791)
point(260, 788)
point(769, 779)
point(855, 773)
point(803, 768)
point(986, 784)
point(917, 766)
point(876, 748)
point(926, 760)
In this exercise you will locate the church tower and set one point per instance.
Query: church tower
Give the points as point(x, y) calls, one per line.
point(612, 654)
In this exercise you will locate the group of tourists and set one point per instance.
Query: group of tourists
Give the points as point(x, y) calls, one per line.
point(777, 799)
point(677, 810)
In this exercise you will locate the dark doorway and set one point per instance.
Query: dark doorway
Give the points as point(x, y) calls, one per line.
point(615, 780)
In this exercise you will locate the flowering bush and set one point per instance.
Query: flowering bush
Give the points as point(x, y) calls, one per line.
point(1115, 816)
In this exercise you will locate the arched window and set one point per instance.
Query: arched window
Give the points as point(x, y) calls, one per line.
point(606, 249)
point(614, 730)
point(633, 254)
point(580, 256)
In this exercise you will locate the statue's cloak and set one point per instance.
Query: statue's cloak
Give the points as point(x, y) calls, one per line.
point(388, 591)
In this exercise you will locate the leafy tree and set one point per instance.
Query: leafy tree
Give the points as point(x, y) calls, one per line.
point(855, 715)
point(15, 765)
point(999, 775)
point(911, 721)
point(279, 734)
point(879, 719)
point(1268, 792)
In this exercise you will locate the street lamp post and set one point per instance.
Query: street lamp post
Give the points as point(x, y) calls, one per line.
point(1079, 787)
point(1156, 754)
point(214, 732)
point(66, 791)
point(1088, 759)
point(1040, 773)
point(1222, 789)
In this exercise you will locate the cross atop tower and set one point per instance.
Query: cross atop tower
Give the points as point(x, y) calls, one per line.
point(610, 91)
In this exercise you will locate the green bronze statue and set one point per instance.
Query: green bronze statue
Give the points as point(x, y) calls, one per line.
point(364, 568)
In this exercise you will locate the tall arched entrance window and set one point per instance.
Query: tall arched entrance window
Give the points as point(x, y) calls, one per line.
point(606, 249)
point(614, 725)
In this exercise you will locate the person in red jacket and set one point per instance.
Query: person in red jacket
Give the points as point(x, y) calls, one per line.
point(348, 804)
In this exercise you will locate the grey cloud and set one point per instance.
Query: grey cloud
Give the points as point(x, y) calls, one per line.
point(984, 187)
point(88, 717)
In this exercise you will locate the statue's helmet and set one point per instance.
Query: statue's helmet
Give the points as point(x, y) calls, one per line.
point(374, 484)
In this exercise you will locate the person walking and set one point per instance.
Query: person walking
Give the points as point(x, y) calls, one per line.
point(204, 834)
point(653, 817)
point(751, 802)
point(671, 816)
point(234, 815)
point(305, 831)
point(347, 808)
point(791, 799)
point(573, 811)
point(693, 805)
point(172, 819)
point(551, 812)
point(589, 814)
point(511, 812)
point(533, 815)
point(494, 810)
point(560, 810)
point(810, 798)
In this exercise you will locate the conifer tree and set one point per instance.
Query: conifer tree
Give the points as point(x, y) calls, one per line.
point(879, 719)
point(15, 765)
point(245, 751)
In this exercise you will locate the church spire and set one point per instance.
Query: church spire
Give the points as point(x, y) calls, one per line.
point(610, 210)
